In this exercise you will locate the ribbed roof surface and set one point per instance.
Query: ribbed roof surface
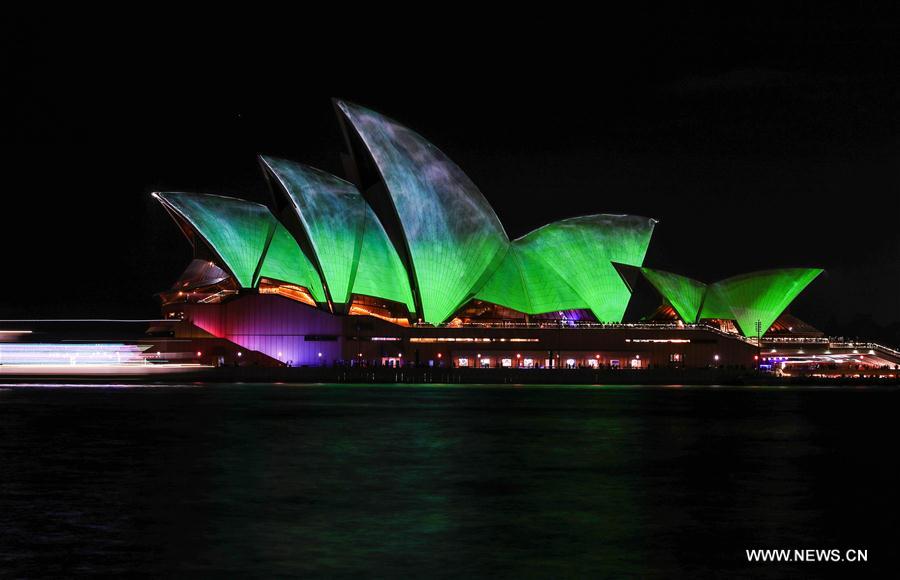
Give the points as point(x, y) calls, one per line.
point(568, 264)
point(683, 293)
point(242, 233)
point(757, 296)
point(450, 229)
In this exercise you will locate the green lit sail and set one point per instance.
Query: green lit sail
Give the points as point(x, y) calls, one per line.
point(381, 272)
point(506, 286)
point(524, 282)
point(683, 293)
point(333, 215)
point(285, 261)
point(580, 252)
point(715, 304)
point(452, 234)
point(547, 291)
point(350, 243)
point(758, 296)
point(236, 230)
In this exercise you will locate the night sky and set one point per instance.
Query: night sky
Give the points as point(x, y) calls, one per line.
point(759, 144)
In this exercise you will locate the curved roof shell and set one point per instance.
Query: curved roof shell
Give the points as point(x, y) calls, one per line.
point(525, 282)
point(684, 294)
point(246, 237)
point(350, 245)
point(285, 261)
point(380, 272)
point(452, 234)
point(568, 265)
point(333, 215)
point(757, 296)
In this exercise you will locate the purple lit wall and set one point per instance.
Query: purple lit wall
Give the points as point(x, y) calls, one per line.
point(577, 315)
point(273, 325)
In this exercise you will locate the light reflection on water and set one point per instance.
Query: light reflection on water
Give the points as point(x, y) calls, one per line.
point(107, 386)
point(437, 480)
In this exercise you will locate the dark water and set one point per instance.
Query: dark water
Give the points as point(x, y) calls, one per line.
point(261, 481)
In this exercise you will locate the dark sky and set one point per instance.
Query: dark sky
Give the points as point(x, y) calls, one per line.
point(770, 142)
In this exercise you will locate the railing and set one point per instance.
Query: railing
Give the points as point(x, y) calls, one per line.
point(796, 340)
point(581, 325)
point(866, 346)
point(564, 324)
point(833, 342)
point(217, 297)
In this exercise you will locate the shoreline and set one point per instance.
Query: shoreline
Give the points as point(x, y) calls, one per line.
point(306, 375)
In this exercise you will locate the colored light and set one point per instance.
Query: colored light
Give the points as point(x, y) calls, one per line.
point(350, 243)
point(242, 233)
point(567, 265)
point(453, 234)
point(524, 282)
point(332, 213)
point(55, 354)
point(757, 296)
point(684, 294)
point(237, 230)
point(454, 244)
point(284, 261)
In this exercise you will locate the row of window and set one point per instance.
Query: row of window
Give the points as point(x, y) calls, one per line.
point(531, 363)
point(568, 363)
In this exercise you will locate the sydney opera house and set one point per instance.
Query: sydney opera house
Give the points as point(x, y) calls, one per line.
point(404, 262)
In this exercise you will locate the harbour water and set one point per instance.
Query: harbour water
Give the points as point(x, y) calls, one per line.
point(249, 480)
